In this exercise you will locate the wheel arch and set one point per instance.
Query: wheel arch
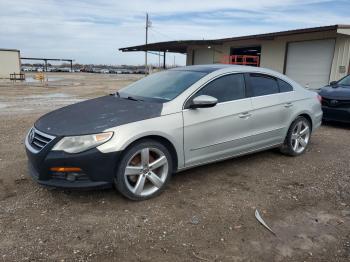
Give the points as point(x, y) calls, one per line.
point(308, 117)
point(164, 141)
point(303, 114)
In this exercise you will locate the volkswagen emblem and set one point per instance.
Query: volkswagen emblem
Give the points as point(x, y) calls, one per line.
point(31, 136)
point(334, 102)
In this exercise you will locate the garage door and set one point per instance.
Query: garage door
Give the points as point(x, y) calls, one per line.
point(203, 56)
point(309, 62)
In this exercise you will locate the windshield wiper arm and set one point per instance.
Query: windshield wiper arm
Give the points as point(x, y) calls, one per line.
point(133, 98)
point(127, 97)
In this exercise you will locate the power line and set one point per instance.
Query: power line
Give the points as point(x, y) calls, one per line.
point(165, 35)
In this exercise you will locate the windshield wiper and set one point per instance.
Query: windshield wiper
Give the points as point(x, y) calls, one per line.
point(133, 98)
point(127, 97)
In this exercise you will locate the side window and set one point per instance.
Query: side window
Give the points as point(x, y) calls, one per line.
point(262, 85)
point(225, 88)
point(284, 86)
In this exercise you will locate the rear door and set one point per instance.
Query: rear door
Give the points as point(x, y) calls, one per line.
point(268, 120)
point(220, 131)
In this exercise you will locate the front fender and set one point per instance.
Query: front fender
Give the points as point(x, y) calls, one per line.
point(169, 127)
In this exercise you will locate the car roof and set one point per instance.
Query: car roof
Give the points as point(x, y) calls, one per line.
point(225, 68)
point(206, 68)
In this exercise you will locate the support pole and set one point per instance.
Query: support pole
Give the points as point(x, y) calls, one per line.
point(164, 60)
point(159, 61)
point(45, 65)
point(71, 65)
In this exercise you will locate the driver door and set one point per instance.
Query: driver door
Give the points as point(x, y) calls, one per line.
point(223, 130)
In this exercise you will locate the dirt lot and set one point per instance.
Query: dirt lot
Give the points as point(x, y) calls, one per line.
point(206, 214)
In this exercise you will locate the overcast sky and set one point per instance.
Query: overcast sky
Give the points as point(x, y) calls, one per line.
point(92, 31)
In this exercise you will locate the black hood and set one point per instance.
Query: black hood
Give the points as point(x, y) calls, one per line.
point(338, 92)
point(96, 115)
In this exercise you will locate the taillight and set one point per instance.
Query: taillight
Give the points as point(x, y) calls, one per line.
point(319, 98)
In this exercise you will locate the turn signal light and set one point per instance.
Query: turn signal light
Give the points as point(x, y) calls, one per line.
point(65, 169)
point(319, 98)
point(103, 136)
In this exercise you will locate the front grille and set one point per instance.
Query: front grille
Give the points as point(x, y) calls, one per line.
point(335, 103)
point(37, 140)
point(64, 176)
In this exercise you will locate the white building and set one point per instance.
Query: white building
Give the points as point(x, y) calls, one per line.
point(10, 62)
point(312, 56)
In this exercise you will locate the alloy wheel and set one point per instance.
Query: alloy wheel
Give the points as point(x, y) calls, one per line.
point(300, 136)
point(146, 171)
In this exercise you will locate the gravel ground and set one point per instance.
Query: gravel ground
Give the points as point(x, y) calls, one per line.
point(206, 213)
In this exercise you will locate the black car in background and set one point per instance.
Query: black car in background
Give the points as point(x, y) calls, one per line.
point(336, 100)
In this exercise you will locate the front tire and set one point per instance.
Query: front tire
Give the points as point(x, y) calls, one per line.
point(298, 137)
point(144, 170)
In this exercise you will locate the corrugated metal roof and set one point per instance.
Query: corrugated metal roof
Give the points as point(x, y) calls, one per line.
point(169, 46)
point(287, 33)
point(6, 49)
point(181, 46)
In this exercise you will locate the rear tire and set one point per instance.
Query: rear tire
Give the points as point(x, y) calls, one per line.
point(144, 170)
point(298, 137)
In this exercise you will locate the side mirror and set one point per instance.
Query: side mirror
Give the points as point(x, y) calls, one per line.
point(203, 101)
point(333, 83)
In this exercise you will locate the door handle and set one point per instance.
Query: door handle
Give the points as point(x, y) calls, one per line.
point(245, 115)
point(288, 105)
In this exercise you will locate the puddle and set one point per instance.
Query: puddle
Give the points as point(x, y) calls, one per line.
point(38, 102)
point(54, 95)
point(49, 79)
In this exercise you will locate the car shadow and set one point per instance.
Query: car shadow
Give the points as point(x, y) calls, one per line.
point(336, 124)
point(221, 168)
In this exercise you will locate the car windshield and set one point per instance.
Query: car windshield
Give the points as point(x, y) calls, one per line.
point(163, 86)
point(345, 81)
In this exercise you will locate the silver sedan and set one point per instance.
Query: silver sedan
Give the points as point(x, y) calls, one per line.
point(168, 122)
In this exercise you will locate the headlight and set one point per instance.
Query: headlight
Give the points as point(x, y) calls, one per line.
point(77, 144)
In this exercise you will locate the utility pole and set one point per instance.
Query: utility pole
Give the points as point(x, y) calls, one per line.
point(158, 60)
point(148, 24)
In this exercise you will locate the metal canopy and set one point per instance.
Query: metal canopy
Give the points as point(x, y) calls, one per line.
point(181, 46)
point(170, 46)
point(47, 59)
point(50, 59)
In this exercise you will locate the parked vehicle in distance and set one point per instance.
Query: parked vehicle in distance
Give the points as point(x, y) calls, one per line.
point(168, 122)
point(336, 100)
point(104, 71)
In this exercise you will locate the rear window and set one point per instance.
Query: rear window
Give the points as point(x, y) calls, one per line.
point(262, 85)
point(284, 86)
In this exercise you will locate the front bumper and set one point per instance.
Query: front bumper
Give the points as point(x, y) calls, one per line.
point(61, 183)
point(336, 114)
point(98, 169)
